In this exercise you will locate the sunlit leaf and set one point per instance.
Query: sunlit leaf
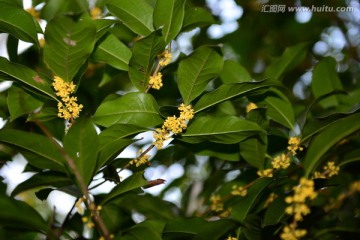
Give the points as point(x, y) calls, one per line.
point(229, 91)
point(113, 52)
point(68, 45)
point(138, 109)
point(168, 15)
point(227, 130)
point(137, 15)
point(197, 70)
point(233, 72)
point(197, 17)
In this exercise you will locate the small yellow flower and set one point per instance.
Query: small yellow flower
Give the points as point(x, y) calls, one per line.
point(95, 13)
point(294, 145)
point(270, 199)
point(231, 238)
point(282, 161)
point(265, 172)
point(239, 191)
point(216, 203)
point(331, 169)
point(186, 112)
point(165, 58)
point(160, 135)
point(84, 219)
point(291, 233)
point(34, 13)
point(140, 161)
point(156, 81)
point(42, 42)
point(251, 106)
point(80, 206)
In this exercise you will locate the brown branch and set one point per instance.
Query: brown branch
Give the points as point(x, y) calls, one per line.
point(99, 222)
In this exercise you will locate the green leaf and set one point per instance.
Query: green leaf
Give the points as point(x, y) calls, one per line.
point(138, 109)
point(18, 22)
point(326, 139)
point(102, 26)
point(226, 130)
point(253, 150)
point(197, 17)
point(25, 75)
point(112, 142)
point(245, 204)
point(197, 70)
point(42, 179)
point(233, 72)
point(135, 181)
point(326, 80)
point(68, 45)
point(81, 143)
point(350, 157)
point(20, 215)
point(34, 143)
point(279, 108)
point(149, 229)
point(169, 15)
point(197, 229)
point(275, 212)
point(21, 103)
point(291, 57)
point(144, 54)
point(137, 15)
point(229, 91)
point(113, 52)
point(229, 152)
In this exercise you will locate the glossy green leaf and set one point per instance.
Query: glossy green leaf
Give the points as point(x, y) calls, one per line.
point(34, 143)
point(55, 8)
point(253, 151)
point(18, 22)
point(81, 143)
point(279, 108)
point(229, 91)
point(197, 17)
point(149, 229)
point(226, 130)
point(326, 139)
point(233, 72)
point(325, 80)
point(229, 152)
point(144, 54)
point(197, 70)
point(245, 204)
point(291, 57)
point(137, 15)
point(43, 179)
point(138, 109)
point(27, 76)
point(20, 215)
point(113, 52)
point(68, 45)
point(21, 103)
point(112, 142)
point(135, 181)
point(102, 26)
point(169, 15)
point(275, 212)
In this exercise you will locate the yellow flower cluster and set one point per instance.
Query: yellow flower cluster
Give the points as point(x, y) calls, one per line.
point(80, 206)
point(239, 191)
point(156, 81)
point(165, 58)
point(251, 106)
point(142, 159)
point(291, 233)
point(282, 161)
point(265, 173)
point(216, 203)
point(294, 145)
point(231, 238)
point(302, 192)
point(95, 13)
point(68, 107)
point(329, 170)
point(173, 124)
point(355, 186)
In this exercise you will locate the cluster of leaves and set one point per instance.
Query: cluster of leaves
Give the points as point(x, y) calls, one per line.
point(110, 60)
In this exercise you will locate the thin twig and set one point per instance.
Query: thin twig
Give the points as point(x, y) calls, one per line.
point(99, 222)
